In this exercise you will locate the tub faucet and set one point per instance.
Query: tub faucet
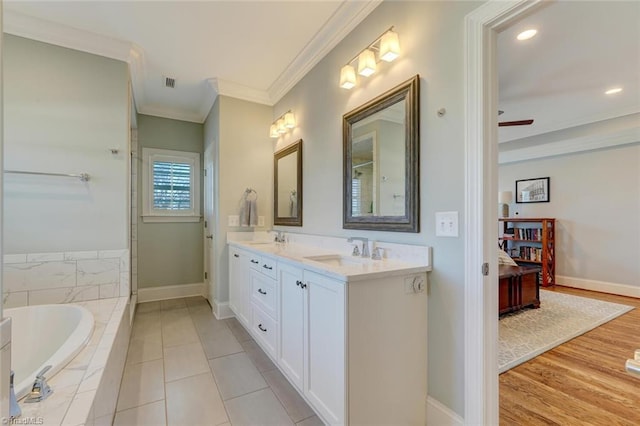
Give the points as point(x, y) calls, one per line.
point(14, 408)
point(365, 245)
point(41, 389)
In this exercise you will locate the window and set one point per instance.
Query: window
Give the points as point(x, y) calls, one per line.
point(170, 186)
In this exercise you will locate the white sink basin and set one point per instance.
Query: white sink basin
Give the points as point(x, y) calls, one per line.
point(338, 260)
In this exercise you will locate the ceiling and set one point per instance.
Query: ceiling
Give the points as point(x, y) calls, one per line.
point(257, 50)
point(558, 78)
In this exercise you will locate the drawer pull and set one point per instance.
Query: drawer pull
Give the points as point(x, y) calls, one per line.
point(261, 291)
point(254, 261)
point(236, 255)
point(267, 267)
point(261, 328)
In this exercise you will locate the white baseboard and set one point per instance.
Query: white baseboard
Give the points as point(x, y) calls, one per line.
point(222, 310)
point(601, 286)
point(440, 415)
point(151, 294)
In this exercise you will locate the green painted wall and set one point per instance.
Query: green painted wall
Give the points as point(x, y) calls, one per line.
point(169, 253)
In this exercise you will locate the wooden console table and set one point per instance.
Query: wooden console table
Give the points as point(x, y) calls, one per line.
point(518, 288)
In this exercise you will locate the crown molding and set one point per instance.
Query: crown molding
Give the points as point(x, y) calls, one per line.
point(173, 114)
point(239, 91)
point(341, 23)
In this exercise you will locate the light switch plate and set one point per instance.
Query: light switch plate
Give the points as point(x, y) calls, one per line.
point(234, 220)
point(446, 224)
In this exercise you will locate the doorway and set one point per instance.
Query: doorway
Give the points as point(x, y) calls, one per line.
point(209, 225)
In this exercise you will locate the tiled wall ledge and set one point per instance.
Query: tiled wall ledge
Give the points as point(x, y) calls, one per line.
point(86, 390)
point(42, 278)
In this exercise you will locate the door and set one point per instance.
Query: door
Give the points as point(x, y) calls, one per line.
point(292, 320)
point(209, 226)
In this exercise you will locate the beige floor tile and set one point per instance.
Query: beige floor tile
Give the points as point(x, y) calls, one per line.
point(196, 301)
point(257, 408)
point(184, 361)
point(236, 375)
point(169, 304)
point(238, 330)
point(145, 324)
point(311, 421)
point(205, 321)
point(220, 343)
point(195, 401)
point(179, 331)
point(175, 314)
point(146, 348)
point(147, 307)
point(291, 400)
point(150, 414)
point(257, 356)
point(141, 383)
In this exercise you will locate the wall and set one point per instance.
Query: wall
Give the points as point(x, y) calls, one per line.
point(238, 131)
point(64, 110)
point(169, 253)
point(432, 42)
point(595, 197)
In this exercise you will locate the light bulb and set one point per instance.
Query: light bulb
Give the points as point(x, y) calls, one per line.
point(389, 46)
point(347, 77)
point(366, 63)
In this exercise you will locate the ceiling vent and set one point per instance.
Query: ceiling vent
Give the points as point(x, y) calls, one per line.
point(169, 82)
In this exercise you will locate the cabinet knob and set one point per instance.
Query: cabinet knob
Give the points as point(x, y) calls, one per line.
point(261, 291)
point(298, 283)
point(262, 328)
point(236, 255)
point(303, 285)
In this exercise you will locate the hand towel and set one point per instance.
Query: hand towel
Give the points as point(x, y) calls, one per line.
point(253, 212)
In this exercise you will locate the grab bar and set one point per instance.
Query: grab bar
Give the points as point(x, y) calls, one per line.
point(633, 365)
point(84, 177)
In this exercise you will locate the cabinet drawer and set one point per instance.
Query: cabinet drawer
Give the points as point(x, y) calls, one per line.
point(263, 293)
point(268, 267)
point(255, 261)
point(264, 330)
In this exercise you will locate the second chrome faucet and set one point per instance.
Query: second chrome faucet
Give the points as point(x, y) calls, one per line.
point(365, 246)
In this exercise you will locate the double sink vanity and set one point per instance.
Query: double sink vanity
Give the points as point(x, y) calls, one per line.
point(348, 332)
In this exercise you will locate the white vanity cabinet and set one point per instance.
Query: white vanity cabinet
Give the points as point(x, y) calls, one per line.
point(293, 323)
point(239, 289)
point(264, 302)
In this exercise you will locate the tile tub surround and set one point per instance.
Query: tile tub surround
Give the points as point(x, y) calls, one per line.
point(185, 367)
point(66, 277)
point(86, 387)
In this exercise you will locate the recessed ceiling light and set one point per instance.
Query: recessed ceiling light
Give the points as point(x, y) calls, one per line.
point(613, 91)
point(526, 35)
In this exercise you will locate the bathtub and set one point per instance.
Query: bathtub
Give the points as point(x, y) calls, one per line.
point(44, 335)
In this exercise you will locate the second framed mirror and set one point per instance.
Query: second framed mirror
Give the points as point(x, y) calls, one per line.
point(287, 185)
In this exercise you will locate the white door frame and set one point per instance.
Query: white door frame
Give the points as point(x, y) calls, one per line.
point(481, 205)
point(209, 247)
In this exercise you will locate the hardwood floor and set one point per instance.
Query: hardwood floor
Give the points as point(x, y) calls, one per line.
point(581, 382)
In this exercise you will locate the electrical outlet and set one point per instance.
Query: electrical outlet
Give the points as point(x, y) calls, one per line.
point(446, 224)
point(233, 220)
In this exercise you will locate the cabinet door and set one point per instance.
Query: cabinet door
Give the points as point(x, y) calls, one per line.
point(239, 284)
point(324, 383)
point(292, 323)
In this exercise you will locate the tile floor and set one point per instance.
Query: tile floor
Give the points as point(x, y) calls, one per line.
point(184, 367)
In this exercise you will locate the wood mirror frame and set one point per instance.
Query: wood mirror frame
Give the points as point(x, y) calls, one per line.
point(294, 200)
point(405, 95)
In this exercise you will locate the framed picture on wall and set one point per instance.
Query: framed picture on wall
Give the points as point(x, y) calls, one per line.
point(532, 190)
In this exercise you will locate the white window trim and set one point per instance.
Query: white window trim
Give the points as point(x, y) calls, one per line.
point(149, 213)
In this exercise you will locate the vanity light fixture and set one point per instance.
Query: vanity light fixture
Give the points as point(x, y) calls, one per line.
point(387, 47)
point(282, 124)
point(613, 91)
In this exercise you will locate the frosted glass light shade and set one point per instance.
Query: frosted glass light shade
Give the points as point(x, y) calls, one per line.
point(289, 120)
point(347, 77)
point(281, 127)
point(389, 46)
point(273, 131)
point(366, 63)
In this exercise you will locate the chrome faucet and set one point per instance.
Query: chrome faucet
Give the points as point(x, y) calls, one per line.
point(365, 245)
point(41, 389)
point(14, 408)
point(280, 237)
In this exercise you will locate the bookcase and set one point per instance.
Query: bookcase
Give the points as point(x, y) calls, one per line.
point(531, 241)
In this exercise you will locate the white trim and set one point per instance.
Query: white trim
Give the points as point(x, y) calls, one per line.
point(222, 310)
point(441, 415)
point(601, 286)
point(168, 113)
point(573, 145)
point(151, 294)
point(132, 307)
point(341, 23)
point(239, 91)
point(169, 218)
point(481, 203)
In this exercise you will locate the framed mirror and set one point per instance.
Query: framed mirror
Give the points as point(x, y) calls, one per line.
point(287, 185)
point(381, 145)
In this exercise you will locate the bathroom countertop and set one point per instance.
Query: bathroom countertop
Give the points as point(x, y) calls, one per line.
point(355, 268)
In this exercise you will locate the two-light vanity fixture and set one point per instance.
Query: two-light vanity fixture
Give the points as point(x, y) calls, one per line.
point(283, 124)
point(388, 48)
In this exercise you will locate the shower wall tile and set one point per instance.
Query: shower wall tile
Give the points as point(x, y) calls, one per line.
point(42, 278)
point(39, 275)
point(97, 272)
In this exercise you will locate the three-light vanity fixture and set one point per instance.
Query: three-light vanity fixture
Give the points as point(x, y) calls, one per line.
point(283, 124)
point(388, 48)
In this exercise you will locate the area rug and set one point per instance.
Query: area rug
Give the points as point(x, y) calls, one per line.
point(561, 317)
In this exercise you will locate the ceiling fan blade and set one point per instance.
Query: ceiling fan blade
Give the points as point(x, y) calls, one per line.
point(515, 123)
